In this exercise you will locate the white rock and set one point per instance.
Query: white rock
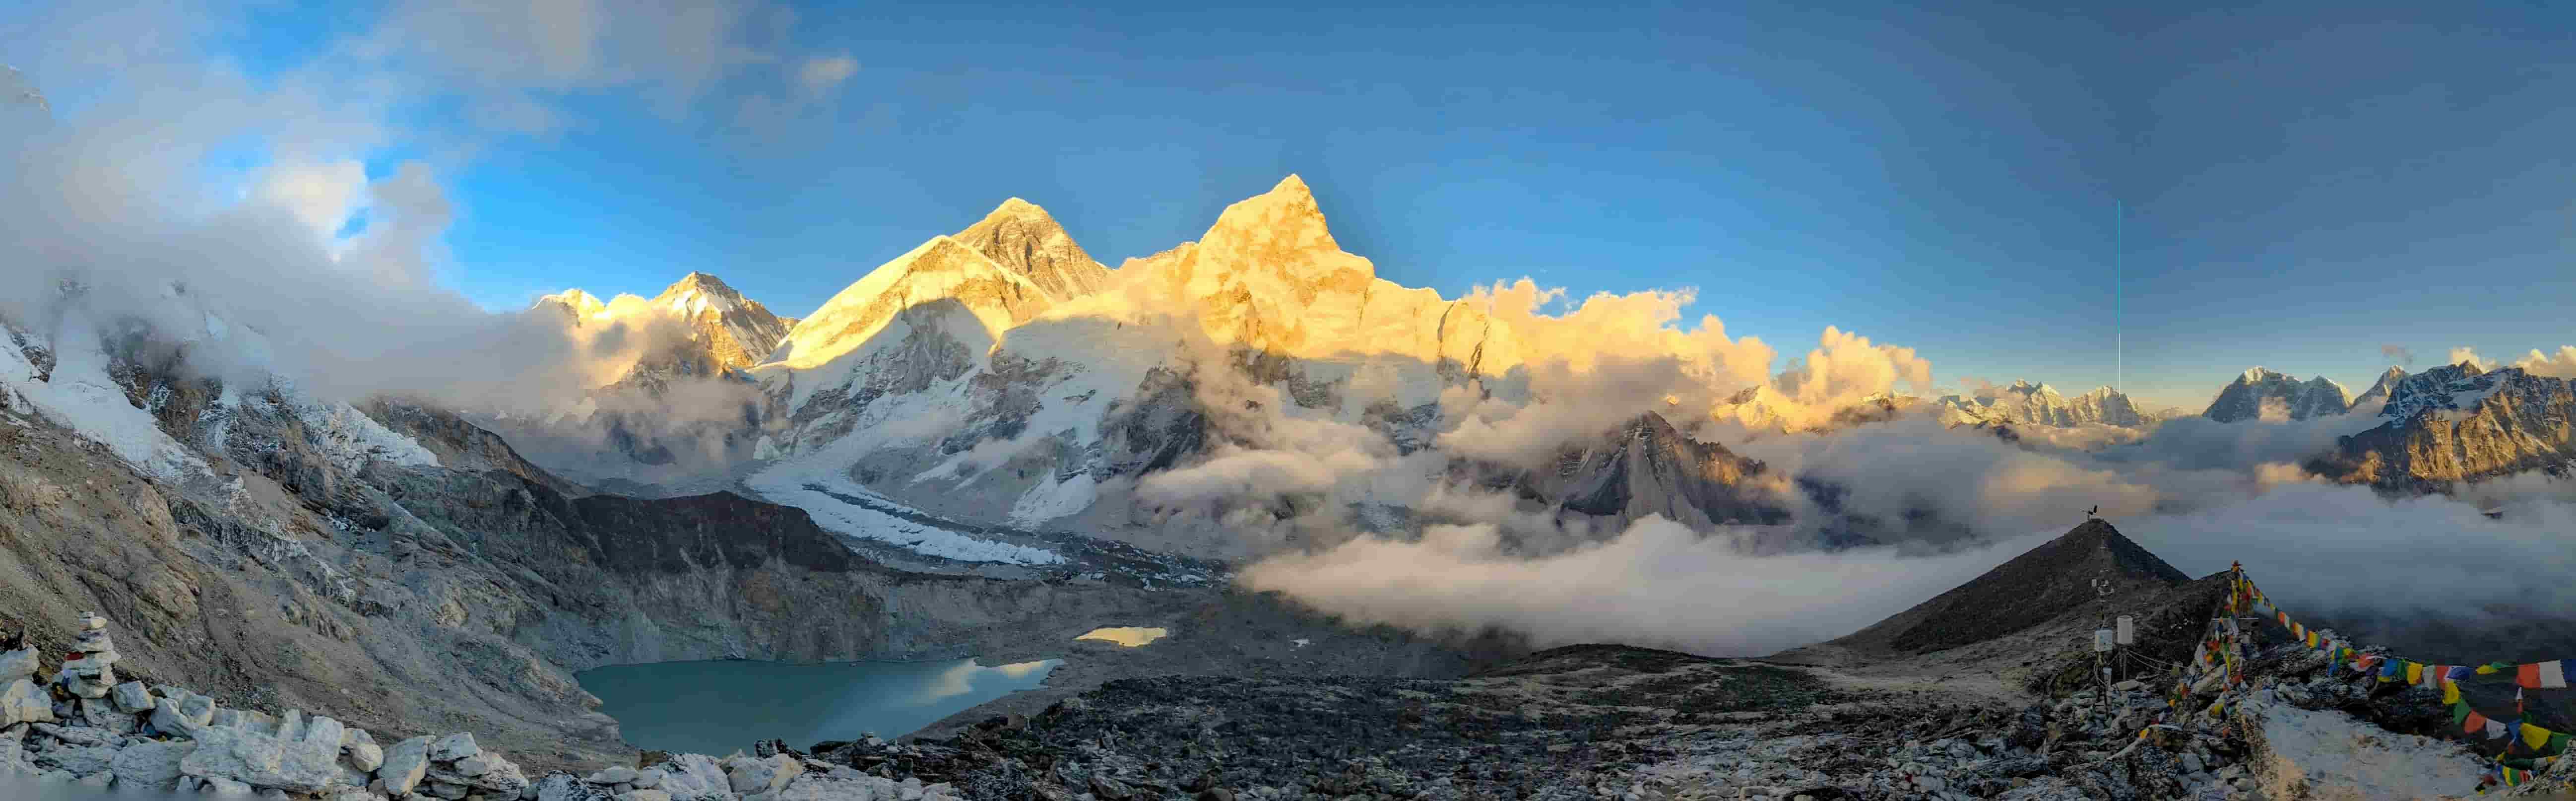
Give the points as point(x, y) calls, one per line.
point(217, 785)
point(22, 702)
point(693, 776)
point(616, 775)
point(18, 664)
point(152, 766)
point(498, 776)
point(182, 716)
point(303, 766)
point(80, 760)
point(647, 778)
point(646, 795)
point(454, 747)
point(99, 779)
point(132, 698)
point(2190, 762)
point(404, 765)
point(366, 757)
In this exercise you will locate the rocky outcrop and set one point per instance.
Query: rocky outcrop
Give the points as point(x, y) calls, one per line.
point(1647, 467)
point(2378, 392)
point(2458, 423)
point(2067, 576)
point(2285, 397)
point(1023, 237)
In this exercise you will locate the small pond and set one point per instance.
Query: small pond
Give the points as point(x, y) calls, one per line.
point(1129, 636)
point(719, 707)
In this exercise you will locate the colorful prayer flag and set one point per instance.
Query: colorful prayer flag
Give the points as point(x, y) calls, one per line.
point(2414, 673)
point(2534, 736)
point(2451, 693)
point(2495, 729)
point(2550, 675)
point(2474, 724)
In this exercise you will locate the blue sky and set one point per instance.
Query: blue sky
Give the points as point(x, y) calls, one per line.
point(2305, 183)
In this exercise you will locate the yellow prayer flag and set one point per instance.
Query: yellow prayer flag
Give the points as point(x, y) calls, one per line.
point(2534, 736)
point(2450, 693)
point(2414, 673)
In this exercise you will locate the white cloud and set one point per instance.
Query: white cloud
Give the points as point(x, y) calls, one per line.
point(2466, 354)
point(321, 194)
point(820, 75)
point(2558, 364)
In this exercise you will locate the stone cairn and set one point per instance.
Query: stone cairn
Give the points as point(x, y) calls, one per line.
point(91, 671)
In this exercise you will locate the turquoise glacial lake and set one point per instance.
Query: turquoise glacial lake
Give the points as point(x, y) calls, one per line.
point(720, 707)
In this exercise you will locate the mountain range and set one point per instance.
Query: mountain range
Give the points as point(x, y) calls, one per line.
point(2264, 394)
point(1000, 375)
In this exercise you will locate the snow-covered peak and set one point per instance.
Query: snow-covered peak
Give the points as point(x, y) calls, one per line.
point(2379, 390)
point(581, 305)
point(699, 293)
point(1282, 229)
point(2247, 397)
point(942, 268)
point(2457, 388)
point(1023, 237)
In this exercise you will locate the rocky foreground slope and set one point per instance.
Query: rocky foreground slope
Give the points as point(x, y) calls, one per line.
point(399, 569)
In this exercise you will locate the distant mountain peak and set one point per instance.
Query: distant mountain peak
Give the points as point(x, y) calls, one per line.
point(2245, 397)
point(1022, 237)
point(2067, 576)
point(1280, 224)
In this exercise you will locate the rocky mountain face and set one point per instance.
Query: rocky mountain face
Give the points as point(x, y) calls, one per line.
point(2065, 577)
point(2379, 389)
point(2458, 423)
point(400, 568)
point(2247, 397)
point(1646, 467)
point(1024, 238)
point(2024, 403)
point(726, 331)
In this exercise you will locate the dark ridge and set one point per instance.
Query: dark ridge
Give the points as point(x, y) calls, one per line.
point(2062, 577)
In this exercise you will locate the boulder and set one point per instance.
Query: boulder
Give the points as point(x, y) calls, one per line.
point(131, 698)
point(78, 760)
point(454, 747)
point(363, 752)
point(18, 664)
point(152, 766)
point(220, 786)
point(647, 779)
point(404, 765)
point(105, 715)
point(496, 776)
point(750, 775)
point(302, 765)
point(619, 775)
point(645, 795)
point(13, 751)
point(563, 787)
point(182, 717)
point(693, 776)
point(22, 702)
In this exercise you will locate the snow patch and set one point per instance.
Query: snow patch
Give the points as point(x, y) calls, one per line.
point(81, 397)
point(2332, 755)
point(1055, 498)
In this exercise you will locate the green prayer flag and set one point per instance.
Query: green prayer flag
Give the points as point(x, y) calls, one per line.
point(2459, 712)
